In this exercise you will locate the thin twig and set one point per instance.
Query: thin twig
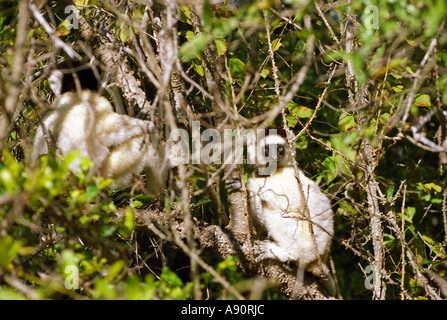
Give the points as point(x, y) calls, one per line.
point(417, 76)
point(58, 43)
point(296, 82)
point(326, 23)
point(412, 260)
point(320, 100)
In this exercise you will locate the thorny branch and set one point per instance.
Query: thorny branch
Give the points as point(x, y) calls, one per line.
point(357, 97)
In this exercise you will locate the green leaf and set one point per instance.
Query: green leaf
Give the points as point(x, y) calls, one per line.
point(221, 45)
point(265, 72)
point(331, 167)
point(103, 289)
point(346, 209)
point(422, 100)
point(69, 258)
point(10, 174)
point(291, 121)
point(237, 67)
point(107, 230)
point(408, 216)
point(437, 11)
point(389, 193)
point(299, 110)
point(128, 225)
point(389, 240)
point(171, 278)
point(125, 34)
point(85, 164)
point(64, 28)
point(346, 122)
point(384, 117)
point(344, 143)
point(114, 270)
point(398, 88)
point(186, 15)
point(136, 204)
point(194, 47)
point(207, 16)
point(91, 192)
point(276, 44)
point(7, 293)
point(224, 27)
point(433, 186)
point(199, 69)
point(390, 28)
point(9, 249)
point(7, 181)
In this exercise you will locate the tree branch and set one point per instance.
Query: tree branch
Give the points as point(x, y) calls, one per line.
point(357, 97)
point(115, 62)
point(221, 244)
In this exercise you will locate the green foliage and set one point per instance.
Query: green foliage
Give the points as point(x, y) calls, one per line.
point(58, 210)
point(52, 220)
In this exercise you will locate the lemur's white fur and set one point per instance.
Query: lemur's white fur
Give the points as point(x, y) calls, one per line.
point(118, 145)
point(55, 81)
point(276, 202)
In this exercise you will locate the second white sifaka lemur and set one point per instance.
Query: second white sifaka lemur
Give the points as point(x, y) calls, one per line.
point(290, 208)
point(118, 145)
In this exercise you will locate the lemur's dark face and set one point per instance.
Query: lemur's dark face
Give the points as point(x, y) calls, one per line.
point(67, 74)
point(273, 153)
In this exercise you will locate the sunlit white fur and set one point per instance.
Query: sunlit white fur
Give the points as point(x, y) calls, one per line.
point(277, 204)
point(118, 145)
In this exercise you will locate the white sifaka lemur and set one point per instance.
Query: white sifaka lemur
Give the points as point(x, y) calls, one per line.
point(293, 212)
point(118, 145)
